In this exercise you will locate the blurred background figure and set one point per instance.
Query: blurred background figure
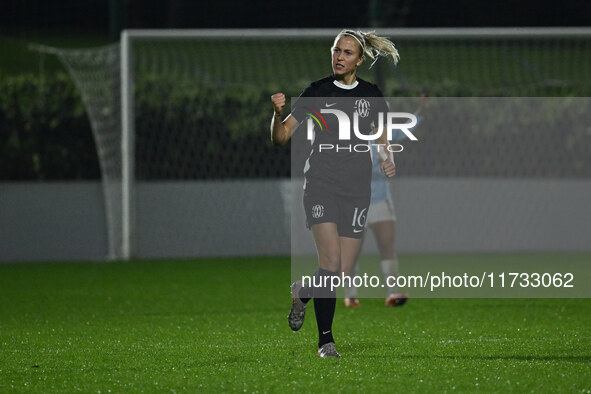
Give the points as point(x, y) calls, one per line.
point(381, 219)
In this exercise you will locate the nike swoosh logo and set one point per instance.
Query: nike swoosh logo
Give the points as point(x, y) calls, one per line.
point(325, 332)
point(329, 105)
point(357, 231)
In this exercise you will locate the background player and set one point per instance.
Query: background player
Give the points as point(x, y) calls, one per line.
point(381, 219)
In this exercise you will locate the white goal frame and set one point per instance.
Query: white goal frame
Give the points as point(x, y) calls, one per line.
point(128, 37)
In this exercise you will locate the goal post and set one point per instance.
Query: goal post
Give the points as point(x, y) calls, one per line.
point(127, 149)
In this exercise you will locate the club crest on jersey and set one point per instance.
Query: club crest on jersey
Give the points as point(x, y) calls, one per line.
point(362, 107)
point(317, 211)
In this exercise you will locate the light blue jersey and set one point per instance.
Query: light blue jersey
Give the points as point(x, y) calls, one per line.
point(379, 182)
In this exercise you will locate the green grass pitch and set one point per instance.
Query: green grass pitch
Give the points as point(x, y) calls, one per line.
point(213, 325)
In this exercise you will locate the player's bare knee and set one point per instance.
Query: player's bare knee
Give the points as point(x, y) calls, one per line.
point(330, 261)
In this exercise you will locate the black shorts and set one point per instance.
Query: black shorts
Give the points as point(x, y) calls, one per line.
point(323, 205)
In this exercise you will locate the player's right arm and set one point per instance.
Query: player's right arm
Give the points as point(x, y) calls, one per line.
point(281, 131)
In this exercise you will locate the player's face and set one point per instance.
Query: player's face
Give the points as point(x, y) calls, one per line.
point(346, 56)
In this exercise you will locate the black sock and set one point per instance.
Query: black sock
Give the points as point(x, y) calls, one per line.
point(324, 307)
point(305, 294)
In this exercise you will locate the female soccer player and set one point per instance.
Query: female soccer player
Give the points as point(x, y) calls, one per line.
point(338, 181)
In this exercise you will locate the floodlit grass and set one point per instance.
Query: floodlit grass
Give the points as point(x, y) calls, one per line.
point(220, 325)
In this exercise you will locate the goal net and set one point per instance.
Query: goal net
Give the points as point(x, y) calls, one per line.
point(181, 120)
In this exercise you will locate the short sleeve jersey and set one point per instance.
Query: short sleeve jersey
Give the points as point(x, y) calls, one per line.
point(346, 167)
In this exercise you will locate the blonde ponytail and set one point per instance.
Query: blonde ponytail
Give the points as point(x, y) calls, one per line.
point(372, 45)
point(376, 46)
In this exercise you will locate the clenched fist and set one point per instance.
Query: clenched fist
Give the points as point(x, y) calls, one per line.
point(278, 100)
